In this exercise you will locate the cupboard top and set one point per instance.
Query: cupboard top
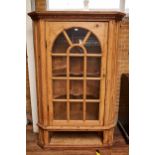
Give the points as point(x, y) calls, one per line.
point(77, 15)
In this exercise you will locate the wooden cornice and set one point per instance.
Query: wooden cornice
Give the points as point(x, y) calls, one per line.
point(77, 15)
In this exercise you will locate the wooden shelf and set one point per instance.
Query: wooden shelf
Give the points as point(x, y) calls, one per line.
point(76, 138)
point(75, 55)
point(76, 100)
point(75, 78)
point(77, 97)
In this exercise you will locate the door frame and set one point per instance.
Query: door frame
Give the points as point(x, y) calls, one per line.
point(53, 29)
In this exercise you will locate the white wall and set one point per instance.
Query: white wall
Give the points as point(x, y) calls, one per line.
point(79, 4)
point(31, 66)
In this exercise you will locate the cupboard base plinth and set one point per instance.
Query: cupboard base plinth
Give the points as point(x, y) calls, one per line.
point(77, 139)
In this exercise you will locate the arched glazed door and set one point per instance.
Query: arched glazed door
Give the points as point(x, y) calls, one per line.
point(76, 54)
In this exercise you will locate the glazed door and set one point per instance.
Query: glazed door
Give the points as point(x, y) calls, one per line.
point(76, 69)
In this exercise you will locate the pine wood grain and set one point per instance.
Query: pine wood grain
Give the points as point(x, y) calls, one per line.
point(107, 34)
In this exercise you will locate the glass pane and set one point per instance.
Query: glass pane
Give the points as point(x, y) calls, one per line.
point(59, 66)
point(59, 89)
point(60, 110)
point(76, 34)
point(60, 45)
point(76, 49)
point(76, 111)
point(92, 111)
point(76, 66)
point(93, 89)
point(93, 67)
point(92, 45)
point(76, 89)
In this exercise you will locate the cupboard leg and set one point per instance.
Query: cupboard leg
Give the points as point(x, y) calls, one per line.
point(108, 137)
point(46, 137)
point(40, 136)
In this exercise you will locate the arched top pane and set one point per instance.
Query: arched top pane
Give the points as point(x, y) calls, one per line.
point(92, 45)
point(76, 34)
point(76, 49)
point(60, 44)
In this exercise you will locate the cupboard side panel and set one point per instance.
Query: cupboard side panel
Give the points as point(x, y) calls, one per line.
point(49, 75)
point(103, 72)
point(111, 79)
point(43, 71)
point(37, 67)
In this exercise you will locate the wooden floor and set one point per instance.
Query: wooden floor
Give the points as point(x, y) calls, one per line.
point(119, 148)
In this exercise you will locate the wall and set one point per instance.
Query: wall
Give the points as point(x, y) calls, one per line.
point(123, 57)
point(28, 96)
point(31, 66)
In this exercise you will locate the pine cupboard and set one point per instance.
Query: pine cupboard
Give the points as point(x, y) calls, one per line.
point(76, 71)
